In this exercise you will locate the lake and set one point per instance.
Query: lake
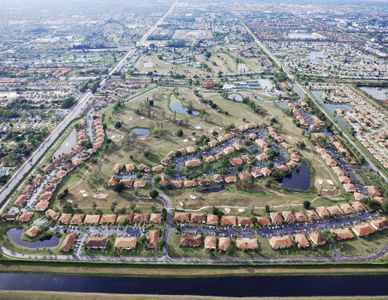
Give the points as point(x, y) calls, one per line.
point(232, 286)
point(16, 234)
point(375, 92)
point(299, 179)
point(139, 131)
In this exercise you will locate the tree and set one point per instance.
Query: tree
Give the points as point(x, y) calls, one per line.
point(384, 206)
point(68, 103)
point(267, 209)
point(154, 194)
point(373, 204)
point(67, 208)
point(119, 187)
point(164, 213)
point(306, 204)
point(118, 125)
point(179, 133)
point(301, 145)
point(63, 195)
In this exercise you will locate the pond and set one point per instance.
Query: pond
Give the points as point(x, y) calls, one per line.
point(299, 179)
point(331, 107)
point(139, 131)
point(376, 92)
point(230, 286)
point(313, 55)
point(177, 106)
point(67, 144)
point(16, 235)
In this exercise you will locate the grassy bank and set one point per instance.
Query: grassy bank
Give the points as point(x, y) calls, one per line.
point(91, 296)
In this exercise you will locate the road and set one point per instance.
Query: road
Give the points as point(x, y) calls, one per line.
point(41, 150)
point(292, 77)
point(76, 112)
point(152, 29)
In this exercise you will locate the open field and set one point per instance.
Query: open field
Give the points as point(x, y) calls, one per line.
point(218, 59)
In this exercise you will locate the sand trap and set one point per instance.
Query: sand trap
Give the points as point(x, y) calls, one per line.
point(84, 195)
point(185, 140)
point(82, 191)
point(330, 181)
point(193, 197)
point(241, 210)
point(100, 196)
point(320, 181)
point(227, 210)
point(181, 203)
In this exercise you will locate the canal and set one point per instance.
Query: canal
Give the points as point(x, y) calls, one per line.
point(341, 285)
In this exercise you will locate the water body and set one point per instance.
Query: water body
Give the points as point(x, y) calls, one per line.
point(140, 131)
point(313, 55)
point(299, 179)
point(16, 234)
point(176, 106)
point(331, 107)
point(376, 92)
point(214, 189)
point(232, 286)
point(67, 144)
point(304, 36)
point(8, 94)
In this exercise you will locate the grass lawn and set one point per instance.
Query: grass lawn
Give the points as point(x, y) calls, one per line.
point(365, 245)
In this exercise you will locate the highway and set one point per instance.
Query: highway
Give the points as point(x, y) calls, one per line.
point(152, 29)
point(76, 112)
point(291, 76)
